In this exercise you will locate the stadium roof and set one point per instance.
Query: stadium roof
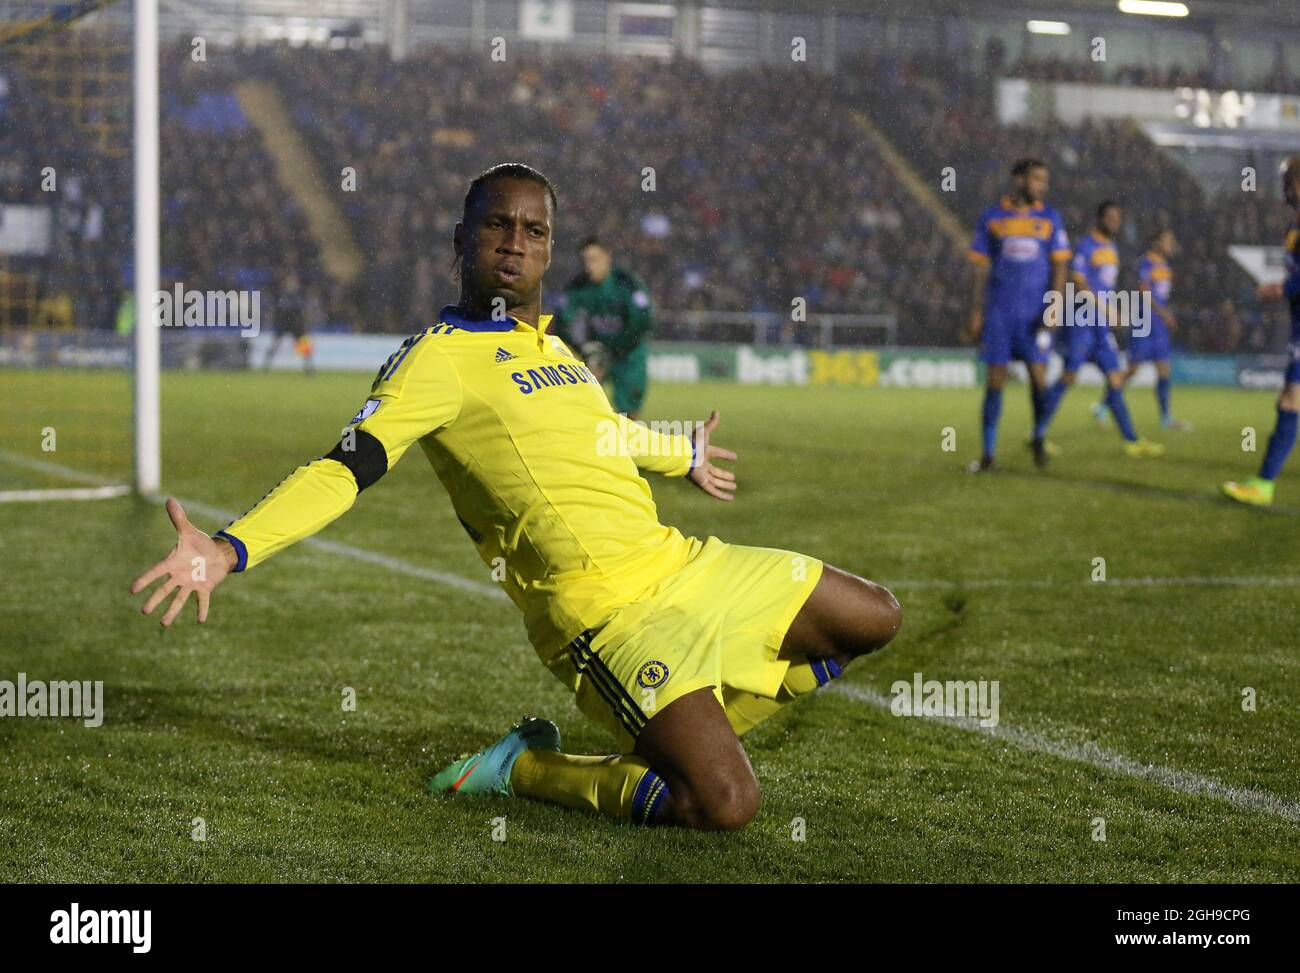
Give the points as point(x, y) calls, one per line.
point(1262, 13)
point(1259, 12)
point(1260, 16)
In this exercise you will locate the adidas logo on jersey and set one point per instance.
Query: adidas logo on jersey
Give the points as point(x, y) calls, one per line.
point(503, 355)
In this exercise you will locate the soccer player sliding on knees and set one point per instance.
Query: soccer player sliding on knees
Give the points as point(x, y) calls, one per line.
point(675, 645)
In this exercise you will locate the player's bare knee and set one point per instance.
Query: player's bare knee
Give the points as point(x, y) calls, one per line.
point(732, 806)
point(877, 619)
point(886, 615)
point(866, 617)
point(723, 805)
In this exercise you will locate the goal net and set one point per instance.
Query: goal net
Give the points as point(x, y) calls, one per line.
point(67, 253)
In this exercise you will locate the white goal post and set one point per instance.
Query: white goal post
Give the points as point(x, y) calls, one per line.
point(146, 403)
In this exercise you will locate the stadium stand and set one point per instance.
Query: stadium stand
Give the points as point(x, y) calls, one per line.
point(766, 191)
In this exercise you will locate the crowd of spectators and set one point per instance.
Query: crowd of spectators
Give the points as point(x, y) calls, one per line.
point(46, 162)
point(227, 221)
point(1276, 81)
point(939, 119)
point(732, 190)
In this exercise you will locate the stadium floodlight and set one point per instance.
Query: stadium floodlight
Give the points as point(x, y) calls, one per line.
point(148, 453)
point(1057, 27)
point(1153, 8)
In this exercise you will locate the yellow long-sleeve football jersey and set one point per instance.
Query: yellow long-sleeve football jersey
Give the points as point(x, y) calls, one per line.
point(539, 468)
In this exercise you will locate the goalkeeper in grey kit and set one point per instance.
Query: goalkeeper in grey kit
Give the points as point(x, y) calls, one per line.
point(612, 306)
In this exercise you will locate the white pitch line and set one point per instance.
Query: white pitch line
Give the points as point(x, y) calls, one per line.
point(333, 547)
point(1182, 781)
point(492, 591)
point(369, 557)
point(69, 493)
point(54, 469)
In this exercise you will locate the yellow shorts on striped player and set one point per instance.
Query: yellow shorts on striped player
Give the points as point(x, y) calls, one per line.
point(718, 622)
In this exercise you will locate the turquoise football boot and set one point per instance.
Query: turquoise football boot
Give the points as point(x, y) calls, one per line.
point(488, 771)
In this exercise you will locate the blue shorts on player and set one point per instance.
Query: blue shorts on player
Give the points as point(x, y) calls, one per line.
point(1088, 344)
point(1014, 334)
point(1153, 346)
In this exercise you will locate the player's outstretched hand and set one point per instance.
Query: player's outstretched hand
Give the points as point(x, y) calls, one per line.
point(196, 564)
point(713, 480)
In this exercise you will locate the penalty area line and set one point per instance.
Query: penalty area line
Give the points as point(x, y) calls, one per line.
point(217, 513)
point(54, 469)
point(67, 493)
point(96, 487)
point(1092, 755)
point(395, 564)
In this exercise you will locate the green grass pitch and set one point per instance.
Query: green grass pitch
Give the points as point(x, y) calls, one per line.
point(1132, 687)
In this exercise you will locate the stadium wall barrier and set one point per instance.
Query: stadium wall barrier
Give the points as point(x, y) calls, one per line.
point(193, 348)
point(1261, 371)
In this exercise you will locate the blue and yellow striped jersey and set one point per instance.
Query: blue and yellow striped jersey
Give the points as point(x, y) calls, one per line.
point(542, 473)
point(1020, 243)
point(1154, 272)
point(1096, 260)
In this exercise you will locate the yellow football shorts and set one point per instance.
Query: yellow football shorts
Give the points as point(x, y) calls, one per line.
point(718, 622)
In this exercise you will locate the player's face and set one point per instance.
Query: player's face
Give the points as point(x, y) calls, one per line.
point(596, 261)
point(1033, 184)
point(1112, 218)
point(505, 242)
point(1168, 244)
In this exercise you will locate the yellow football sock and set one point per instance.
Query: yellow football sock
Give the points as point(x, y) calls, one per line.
point(746, 710)
point(622, 787)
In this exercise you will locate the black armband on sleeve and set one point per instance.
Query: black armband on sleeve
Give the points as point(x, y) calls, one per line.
point(368, 460)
